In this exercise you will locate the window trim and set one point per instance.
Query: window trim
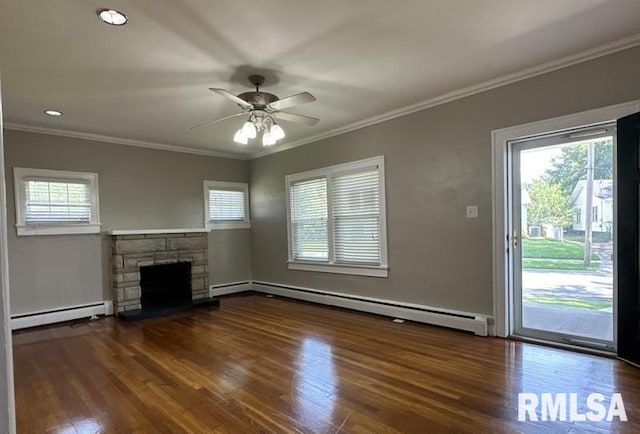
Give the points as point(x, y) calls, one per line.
point(330, 266)
point(228, 186)
point(21, 174)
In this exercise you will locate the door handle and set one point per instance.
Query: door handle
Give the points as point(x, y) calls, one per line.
point(515, 239)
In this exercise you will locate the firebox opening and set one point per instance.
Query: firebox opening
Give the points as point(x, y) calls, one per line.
point(165, 285)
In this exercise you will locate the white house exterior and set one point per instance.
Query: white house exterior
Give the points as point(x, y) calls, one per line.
point(602, 205)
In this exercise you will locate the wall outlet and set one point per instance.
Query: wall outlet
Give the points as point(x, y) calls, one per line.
point(472, 211)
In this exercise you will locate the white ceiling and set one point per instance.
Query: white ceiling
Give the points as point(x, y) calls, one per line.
point(147, 81)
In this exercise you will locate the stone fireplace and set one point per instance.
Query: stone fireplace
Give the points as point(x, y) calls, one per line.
point(131, 250)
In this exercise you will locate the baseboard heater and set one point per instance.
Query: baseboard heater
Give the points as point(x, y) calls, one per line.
point(69, 313)
point(229, 288)
point(477, 324)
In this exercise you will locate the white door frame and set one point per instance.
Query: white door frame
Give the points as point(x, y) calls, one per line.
point(7, 398)
point(502, 286)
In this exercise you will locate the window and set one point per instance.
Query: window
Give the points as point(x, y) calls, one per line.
point(594, 213)
point(578, 215)
point(226, 205)
point(336, 219)
point(56, 202)
point(309, 220)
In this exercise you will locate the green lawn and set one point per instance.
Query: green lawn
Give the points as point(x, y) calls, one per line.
point(572, 302)
point(545, 254)
point(550, 249)
point(598, 237)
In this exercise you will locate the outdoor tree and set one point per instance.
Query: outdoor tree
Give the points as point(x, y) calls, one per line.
point(569, 167)
point(548, 205)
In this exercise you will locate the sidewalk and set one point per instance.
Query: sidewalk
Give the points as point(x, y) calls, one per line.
point(586, 285)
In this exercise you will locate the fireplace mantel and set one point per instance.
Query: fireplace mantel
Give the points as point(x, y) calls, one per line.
point(156, 231)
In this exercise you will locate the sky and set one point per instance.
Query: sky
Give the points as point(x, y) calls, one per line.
point(534, 162)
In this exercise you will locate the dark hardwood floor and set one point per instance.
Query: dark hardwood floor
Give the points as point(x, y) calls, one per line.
point(261, 364)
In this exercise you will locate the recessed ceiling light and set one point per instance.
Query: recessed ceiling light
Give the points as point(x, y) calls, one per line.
point(53, 112)
point(112, 17)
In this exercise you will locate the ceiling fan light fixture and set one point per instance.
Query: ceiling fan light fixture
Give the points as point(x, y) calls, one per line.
point(267, 139)
point(240, 138)
point(277, 132)
point(262, 108)
point(249, 130)
point(112, 17)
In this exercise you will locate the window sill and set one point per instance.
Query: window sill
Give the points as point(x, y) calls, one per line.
point(228, 225)
point(358, 270)
point(92, 228)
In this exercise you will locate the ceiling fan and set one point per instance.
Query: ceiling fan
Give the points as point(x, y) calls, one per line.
point(263, 109)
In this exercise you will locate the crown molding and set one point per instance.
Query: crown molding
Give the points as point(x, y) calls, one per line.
point(564, 62)
point(122, 141)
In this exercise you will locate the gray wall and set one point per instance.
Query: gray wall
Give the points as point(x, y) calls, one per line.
point(229, 256)
point(437, 162)
point(139, 189)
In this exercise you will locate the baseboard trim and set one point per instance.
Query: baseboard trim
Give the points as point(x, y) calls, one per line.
point(476, 323)
point(68, 313)
point(229, 288)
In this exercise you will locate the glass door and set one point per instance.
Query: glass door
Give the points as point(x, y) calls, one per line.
point(562, 237)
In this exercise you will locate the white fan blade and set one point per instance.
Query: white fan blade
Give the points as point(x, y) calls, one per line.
point(232, 97)
point(301, 98)
point(215, 121)
point(291, 117)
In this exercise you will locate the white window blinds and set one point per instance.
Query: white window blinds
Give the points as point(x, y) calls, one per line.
point(356, 217)
point(308, 213)
point(336, 219)
point(57, 202)
point(226, 205)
